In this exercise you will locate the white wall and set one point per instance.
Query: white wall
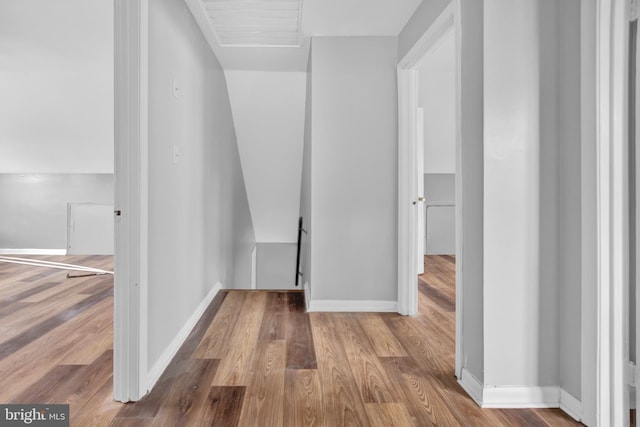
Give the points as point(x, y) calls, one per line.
point(200, 230)
point(277, 266)
point(524, 115)
point(438, 99)
point(56, 116)
point(520, 116)
point(34, 207)
point(511, 205)
point(354, 168)
point(268, 110)
point(306, 184)
point(56, 80)
point(532, 194)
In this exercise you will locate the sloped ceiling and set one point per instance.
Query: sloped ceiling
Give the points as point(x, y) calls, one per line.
point(257, 23)
point(263, 45)
point(268, 111)
point(255, 26)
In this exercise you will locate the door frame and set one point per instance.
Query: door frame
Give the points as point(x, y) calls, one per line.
point(447, 21)
point(131, 199)
point(612, 400)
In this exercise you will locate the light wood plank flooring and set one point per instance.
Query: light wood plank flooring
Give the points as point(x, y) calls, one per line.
point(256, 358)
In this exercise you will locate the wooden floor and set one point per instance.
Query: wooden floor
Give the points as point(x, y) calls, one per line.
point(254, 359)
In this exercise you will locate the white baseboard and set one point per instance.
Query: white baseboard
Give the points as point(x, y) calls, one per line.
point(373, 306)
point(570, 405)
point(520, 397)
point(169, 353)
point(471, 385)
point(33, 251)
point(307, 295)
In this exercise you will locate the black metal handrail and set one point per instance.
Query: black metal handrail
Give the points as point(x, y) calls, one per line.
point(300, 231)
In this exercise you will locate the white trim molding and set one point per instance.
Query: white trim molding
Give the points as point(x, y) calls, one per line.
point(307, 295)
point(471, 385)
point(570, 405)
point(520, 397)
point(33, 251)
point(612, 400)
point(355, 306)
point(131, 199)
point(170, 352)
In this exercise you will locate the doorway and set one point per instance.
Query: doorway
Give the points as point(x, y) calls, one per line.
point(437, 175)
point(412, 210)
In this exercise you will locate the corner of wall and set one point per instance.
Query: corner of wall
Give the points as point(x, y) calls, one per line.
point(571, 405)
point(471, 385)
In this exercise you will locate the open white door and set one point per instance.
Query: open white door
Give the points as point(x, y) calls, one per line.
point(612, 147)
point(634, 148)
point(421, 207)
point(131, 200)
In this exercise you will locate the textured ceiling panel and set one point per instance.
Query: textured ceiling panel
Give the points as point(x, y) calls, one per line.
point(262, 23)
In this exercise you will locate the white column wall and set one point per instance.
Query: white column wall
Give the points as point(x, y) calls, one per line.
point(511, 192)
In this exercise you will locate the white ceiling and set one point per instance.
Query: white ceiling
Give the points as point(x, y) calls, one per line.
point(55, 36)
point(56, 80)
point(356, 17)
point(255, 22)
point(318, 18)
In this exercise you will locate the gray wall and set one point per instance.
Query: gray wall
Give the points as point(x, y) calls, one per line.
point(549, 193)
point(200, 229)
point(588, 197)
point(34, 206)
point(276, 266)
point(569, 147)
point(471, 176)
point(354, 168)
